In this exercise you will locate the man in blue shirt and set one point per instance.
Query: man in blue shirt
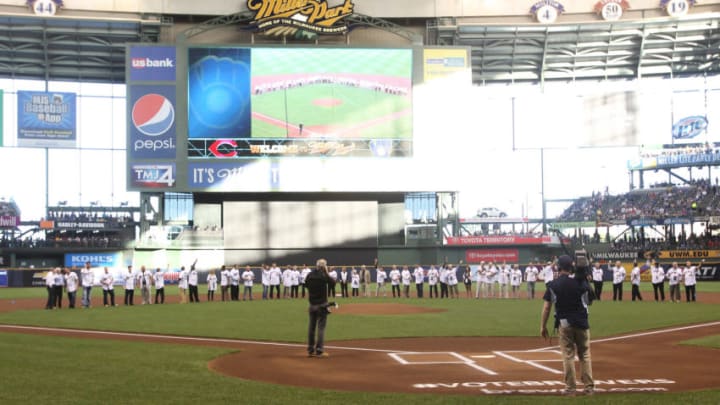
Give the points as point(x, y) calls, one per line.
point(570, 297)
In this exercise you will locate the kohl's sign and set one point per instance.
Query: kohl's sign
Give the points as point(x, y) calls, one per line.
point(95, 259)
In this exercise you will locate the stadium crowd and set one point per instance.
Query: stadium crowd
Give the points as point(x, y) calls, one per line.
point(698, 198)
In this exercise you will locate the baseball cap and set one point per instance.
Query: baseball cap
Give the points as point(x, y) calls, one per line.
point(565, 262)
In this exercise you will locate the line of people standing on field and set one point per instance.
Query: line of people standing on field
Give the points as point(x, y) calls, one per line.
point(675, 276)
point(492, 280)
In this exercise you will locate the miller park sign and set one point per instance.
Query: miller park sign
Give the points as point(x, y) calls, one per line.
point(282, 17)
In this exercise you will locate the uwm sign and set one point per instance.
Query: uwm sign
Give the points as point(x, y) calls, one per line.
point(308, 15)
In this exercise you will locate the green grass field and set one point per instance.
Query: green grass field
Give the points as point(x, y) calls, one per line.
point(356, 106)
point(41, 368)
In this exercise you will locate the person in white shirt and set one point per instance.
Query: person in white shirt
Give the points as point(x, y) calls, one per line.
point(224, 283)
point(58, 283)
point(480, 281)
point(108, 285)
point(129, 284)
point(183, 285)
point(380, 276)
point(491, 278)
point(395, 281)
point(88, 279)
point(515, 280)
point(235, 283)
point(295, 277)
point(548, 273)
point(658, 281)
point(433, 277)
point(211, 285)
point(344, 281)
point(406, 278)
point(265, 281)
point(144, 281)
point(274, 277)
point(618, 280)
point(452, 282)
point(303, 274)
point(159, 280)
point(690, 280)
point(635, 281)
point(287, 282)
point(71, 286)
point(673, 275)
point(49, 283)
point(419, 275)
point(355, 283)
point(334, 276)
point(444, 269)
point(248, 276)
point(597, 277)
point(531, 276)
point(193, 284)
point(503, 278)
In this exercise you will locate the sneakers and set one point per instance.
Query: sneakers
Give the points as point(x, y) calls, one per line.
point(322, 354)
point(568, 393)
point(311, 354)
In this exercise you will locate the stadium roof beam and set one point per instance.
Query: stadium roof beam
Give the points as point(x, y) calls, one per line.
point(618, 50)
point(70, 48)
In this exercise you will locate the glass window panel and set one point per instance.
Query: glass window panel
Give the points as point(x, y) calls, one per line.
point(68, 87)
point(64, 183)
point(24, 180)
point(119, 126)
point(96, 122)
point(96, 89)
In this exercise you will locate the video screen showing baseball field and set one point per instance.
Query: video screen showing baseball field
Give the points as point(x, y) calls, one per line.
point(255, 102)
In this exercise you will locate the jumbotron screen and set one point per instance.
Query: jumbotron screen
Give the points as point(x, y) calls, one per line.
point(254, 102)
point(219, 118)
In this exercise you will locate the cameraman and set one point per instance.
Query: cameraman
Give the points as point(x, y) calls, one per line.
point(318, 283)
point(571, 319)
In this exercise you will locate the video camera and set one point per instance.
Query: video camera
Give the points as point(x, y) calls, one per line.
point(327, 307)
point(582, 272)
point(582, 265)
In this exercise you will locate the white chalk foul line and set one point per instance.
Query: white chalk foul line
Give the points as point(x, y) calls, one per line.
point(183, 338)
point(641, 334)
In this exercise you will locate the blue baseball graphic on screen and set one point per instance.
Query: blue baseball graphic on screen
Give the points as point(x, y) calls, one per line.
point(219, 93)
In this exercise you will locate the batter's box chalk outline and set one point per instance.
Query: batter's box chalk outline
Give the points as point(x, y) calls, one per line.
point(532, 363)
point(458, 359)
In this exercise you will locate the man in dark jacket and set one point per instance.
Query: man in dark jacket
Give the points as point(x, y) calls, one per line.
point(318, 282)
point(570, 297)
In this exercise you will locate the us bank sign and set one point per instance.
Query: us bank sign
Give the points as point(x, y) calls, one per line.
point(308, 15)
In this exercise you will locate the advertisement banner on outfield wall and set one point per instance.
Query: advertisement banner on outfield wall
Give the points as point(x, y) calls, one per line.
point(494, 255)
point(3, 278)
point(691, 255)
point(708, 272)
point(46, 119)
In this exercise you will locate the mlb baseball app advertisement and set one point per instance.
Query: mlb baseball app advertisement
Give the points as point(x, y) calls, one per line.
point(46, 119)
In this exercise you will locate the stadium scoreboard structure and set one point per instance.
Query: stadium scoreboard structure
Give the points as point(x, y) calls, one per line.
point(222, 118)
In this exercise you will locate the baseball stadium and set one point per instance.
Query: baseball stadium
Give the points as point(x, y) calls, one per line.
point(432, 184)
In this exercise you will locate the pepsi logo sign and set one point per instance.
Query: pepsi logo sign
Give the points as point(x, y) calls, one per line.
point(689, 127)
point(153, 114)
